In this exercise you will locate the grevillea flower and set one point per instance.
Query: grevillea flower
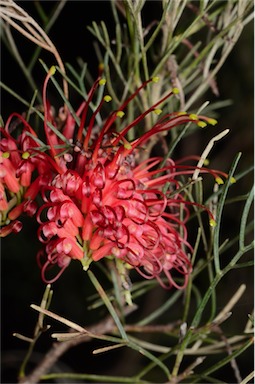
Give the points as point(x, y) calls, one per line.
point(103, 203)
point(24, 169)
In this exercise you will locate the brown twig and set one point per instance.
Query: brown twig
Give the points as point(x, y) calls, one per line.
point(233, 362)
point(58, 349)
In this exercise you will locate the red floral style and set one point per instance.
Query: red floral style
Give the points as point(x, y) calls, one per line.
point(101, 203)
point(20, 161)
point(98, 200)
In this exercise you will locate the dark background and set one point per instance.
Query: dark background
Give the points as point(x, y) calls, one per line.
point(21, 283)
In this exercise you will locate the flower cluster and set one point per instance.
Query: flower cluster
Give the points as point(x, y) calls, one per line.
point(98, 199)
point(24, 170)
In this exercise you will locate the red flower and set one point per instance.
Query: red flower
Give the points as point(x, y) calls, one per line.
point(24, 169)
point(103, 204)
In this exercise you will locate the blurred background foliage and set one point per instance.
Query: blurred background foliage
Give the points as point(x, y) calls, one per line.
point(21, 282)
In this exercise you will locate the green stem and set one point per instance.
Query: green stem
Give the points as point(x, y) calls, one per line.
point(39, 329)
point(108, 304)
point(93, 378)
point(216, 238)
point(194, 324)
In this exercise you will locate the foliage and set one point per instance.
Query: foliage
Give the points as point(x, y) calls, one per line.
point(187, 336)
